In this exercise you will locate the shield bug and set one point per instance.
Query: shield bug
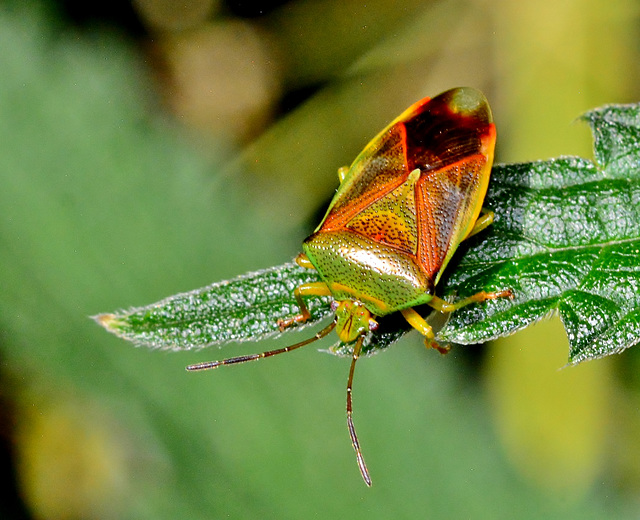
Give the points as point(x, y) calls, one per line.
point(401, 210)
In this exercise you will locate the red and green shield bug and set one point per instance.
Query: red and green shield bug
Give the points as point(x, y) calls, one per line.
point(401, 210)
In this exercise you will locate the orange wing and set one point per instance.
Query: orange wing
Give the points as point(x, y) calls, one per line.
point(419, 185)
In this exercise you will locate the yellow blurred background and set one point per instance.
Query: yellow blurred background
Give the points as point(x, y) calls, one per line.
point(154, 147)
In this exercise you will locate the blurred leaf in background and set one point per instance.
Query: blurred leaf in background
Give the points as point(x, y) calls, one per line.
point(109, 200)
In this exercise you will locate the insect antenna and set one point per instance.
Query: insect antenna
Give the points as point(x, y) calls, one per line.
point(352, 430)
point(207, 365)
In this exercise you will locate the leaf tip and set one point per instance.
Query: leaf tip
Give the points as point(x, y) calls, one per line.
point(108, 321)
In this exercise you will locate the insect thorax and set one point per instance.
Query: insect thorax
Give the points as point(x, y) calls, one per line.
point(355, 267)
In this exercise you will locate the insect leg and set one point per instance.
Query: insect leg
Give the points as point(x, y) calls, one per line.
point(306, 289)
point(484, 220)
point(440, 305)
point(418, 323)
point(303, 261)
point(421, 325)
point(207, 365)
point(352, 430)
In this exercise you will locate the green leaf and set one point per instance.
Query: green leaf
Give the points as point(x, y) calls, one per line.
point(566, 238)
point(246, 308)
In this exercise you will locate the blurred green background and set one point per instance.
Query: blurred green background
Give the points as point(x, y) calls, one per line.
point(154, 147)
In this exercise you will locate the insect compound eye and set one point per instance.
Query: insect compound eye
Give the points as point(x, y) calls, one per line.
point(334, 305)
point(373, 325)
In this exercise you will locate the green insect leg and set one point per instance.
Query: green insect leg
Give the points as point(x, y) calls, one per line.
point(484, 221)
point(420, 324)
point(441, 305)
point(303, 261)
point(306, 289)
